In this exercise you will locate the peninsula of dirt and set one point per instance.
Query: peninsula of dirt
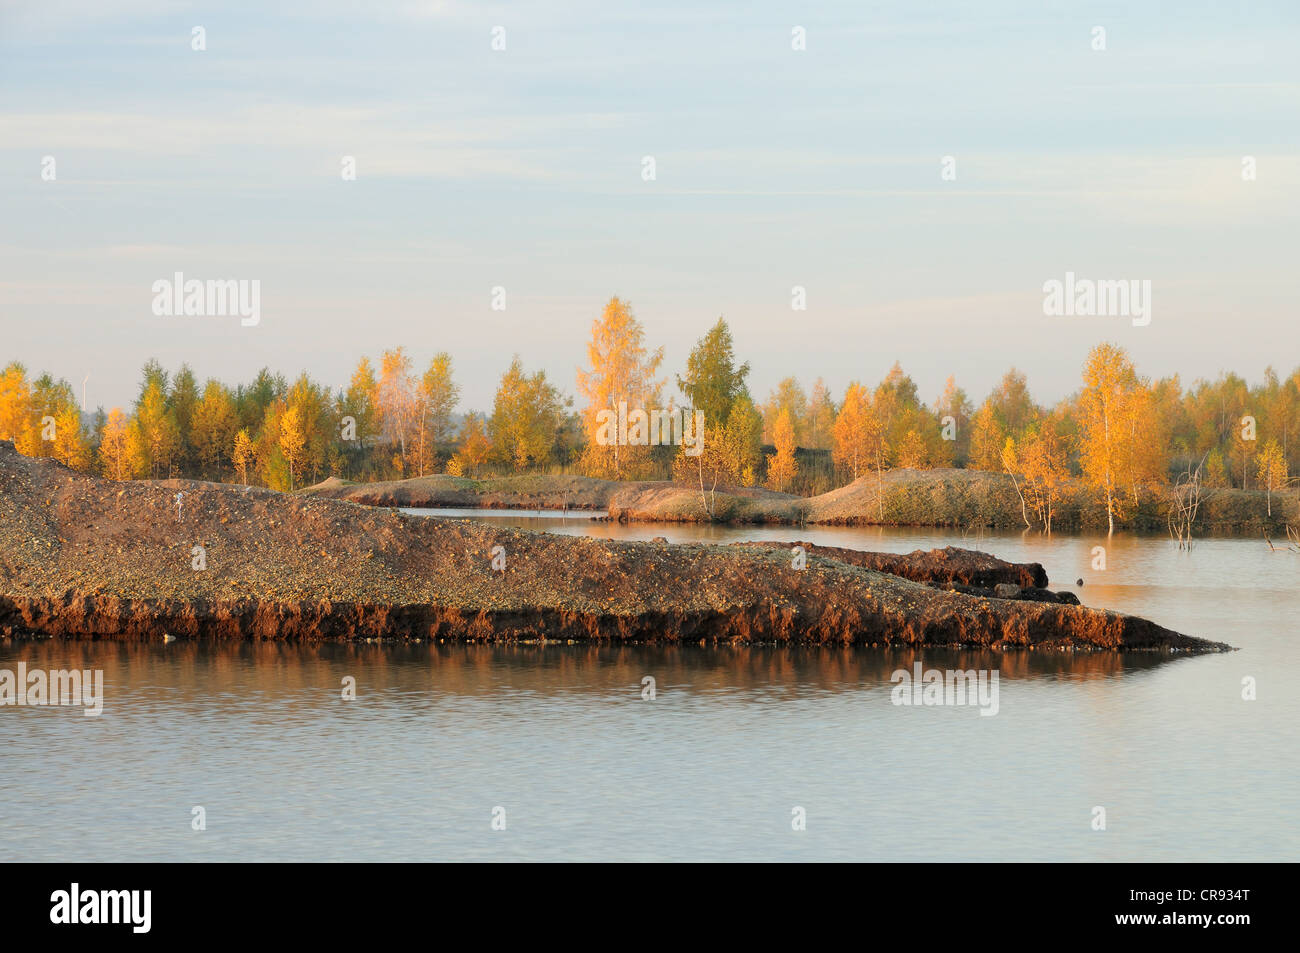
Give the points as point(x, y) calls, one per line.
point(87, 558)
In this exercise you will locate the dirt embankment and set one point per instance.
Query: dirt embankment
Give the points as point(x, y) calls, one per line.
point(947, 566)
point(958, 498)
point(659, 500)
point(527, 492)
point(88, 558)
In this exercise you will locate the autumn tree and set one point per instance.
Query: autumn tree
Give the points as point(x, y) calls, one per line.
point(742, 441)
point(51, 407)
point(1271, 471)
point(729, 453)
point(293, 440)
point(820, 417)
point(526, 413)
point(852, 431)
point(183, 401)
point(622, 371)
point(214, 424)
point(954, 433)
point(898, 407)
point(119, 457)
point(438, 396)
point(243, 455)
point(912, 452)
point(70, 445)
point(1041, 460)
point(987, 438)
point(1111, 398)
point(1012, 404)
point(782, 465)
point(1216, 472)
point(731, 431)
point(1243, 447)
point(361, 401)
point(254, 400)
point(397, 402)
point(787, 397)
point(317, 423)
point(475, 448)
point(860, 440)
point(15, 401)
point(1010, 459)
point(154, 424)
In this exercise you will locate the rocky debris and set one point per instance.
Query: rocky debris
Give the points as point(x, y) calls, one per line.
point(1006, 590)
point(957, 570)
point(87, 558)
point(951, 565)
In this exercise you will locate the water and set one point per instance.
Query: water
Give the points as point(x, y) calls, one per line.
point(533, 517)
point(735, 739)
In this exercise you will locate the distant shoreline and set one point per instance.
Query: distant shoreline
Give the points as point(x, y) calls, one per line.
point(951, 498)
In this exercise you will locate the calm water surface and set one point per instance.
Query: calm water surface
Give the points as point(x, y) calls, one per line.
point(559, 737)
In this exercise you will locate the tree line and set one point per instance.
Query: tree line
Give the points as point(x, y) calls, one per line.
point(1123, 434)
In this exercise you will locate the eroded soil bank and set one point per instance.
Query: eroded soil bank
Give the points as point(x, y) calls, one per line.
point(88, 558)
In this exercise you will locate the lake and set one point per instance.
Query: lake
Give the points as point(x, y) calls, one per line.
point(582, 767)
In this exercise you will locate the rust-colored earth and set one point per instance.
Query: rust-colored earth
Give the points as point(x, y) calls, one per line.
point(87, 558)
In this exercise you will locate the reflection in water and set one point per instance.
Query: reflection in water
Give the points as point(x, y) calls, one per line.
point(533, 516)
point(462, 669)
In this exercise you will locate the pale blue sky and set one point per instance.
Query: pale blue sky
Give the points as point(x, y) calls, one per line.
point(522, 169)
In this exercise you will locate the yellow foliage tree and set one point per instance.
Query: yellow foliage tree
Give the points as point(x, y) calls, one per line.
point(987, 439)
point(155, 430)
point(15, 401)
point(852, 431)
point(782, 466)
point(1110, 400)
point(71, 448)
point(397, 403)
point(1042, 460)
point(525, 416)
point(438, 395)
point(119, 456)
point(361, 402)
point(475, 448)
point(293, 440)
point(1271, 470)
point(215, 422)
point(860, 439)
point(622, 371)
point(912, 452)
point(243, 454)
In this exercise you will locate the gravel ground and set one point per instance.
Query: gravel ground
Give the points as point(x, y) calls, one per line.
point(89, 558)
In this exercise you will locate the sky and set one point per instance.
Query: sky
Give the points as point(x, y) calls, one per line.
point(522, 168)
